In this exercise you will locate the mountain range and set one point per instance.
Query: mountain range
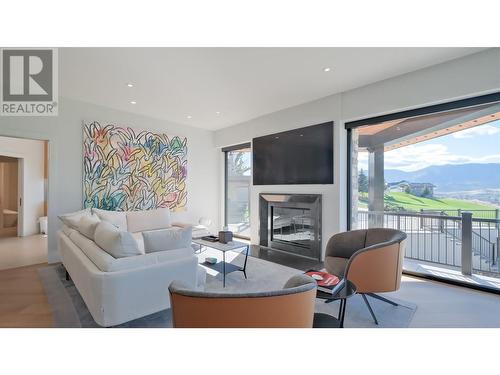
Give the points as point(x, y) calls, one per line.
point(452, 177)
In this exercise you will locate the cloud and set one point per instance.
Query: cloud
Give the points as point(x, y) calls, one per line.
point(414, 157)
point(477, 131)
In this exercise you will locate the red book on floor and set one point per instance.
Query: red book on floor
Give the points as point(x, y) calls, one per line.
point(328, 281)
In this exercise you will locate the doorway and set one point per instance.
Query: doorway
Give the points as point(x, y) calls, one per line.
point(23, 202)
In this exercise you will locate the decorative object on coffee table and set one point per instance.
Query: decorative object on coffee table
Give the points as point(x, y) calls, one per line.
point(210, 260)
point(222, 266)
point(225, 236)
point(210, 238)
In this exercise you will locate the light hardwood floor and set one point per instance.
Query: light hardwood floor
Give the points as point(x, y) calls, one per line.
point(23, 302)
point(22, 251)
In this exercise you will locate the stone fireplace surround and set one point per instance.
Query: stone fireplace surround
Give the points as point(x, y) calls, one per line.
point(291, 223)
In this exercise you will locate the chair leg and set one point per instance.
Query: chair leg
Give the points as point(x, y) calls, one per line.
point(370, 309)
point(382, 299)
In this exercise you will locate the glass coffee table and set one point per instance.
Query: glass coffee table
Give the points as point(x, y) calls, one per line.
point(223, 266)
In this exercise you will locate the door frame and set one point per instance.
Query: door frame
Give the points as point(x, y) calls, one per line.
point(225, 150)
point(20, 197)
point(20, 190)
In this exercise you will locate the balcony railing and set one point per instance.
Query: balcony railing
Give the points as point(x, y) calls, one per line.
point(465, 241)
point(478, 214)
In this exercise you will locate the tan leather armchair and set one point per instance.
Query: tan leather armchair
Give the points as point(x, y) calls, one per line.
point(290, 307)
point(371, 258)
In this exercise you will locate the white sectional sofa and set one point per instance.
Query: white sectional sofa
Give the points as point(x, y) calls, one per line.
point(117, 290)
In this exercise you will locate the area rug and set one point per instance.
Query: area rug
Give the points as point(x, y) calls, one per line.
point(70, 311)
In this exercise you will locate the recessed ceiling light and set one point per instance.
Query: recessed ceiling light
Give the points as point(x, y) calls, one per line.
point(133, 102)
point(130, 85)
point(217, 113)
point(189, 116)
point(327, 69)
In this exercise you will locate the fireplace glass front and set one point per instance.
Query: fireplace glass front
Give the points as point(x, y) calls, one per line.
point(292, 225)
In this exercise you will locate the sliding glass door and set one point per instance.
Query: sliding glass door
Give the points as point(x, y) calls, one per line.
point(434, 176)
point(238, 179)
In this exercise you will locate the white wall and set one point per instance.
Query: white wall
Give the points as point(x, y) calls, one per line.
point(319, 111)
point(468, 76)
point(465, 77)
point(64, 133)
point(31, 153)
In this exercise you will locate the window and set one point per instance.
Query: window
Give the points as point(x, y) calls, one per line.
point(238, 179)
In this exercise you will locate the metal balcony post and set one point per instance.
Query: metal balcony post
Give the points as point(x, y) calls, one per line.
point(497, 249)
point(441, 222)
point(493, 254)
point(466, 243)
point(497, 234)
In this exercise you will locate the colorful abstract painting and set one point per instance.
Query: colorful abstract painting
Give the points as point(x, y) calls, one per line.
point(130, 170)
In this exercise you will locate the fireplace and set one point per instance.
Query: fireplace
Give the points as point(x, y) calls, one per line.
point(291, 223)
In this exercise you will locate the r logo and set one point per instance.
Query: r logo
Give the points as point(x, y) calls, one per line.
point(27, 75)
point(29, 82)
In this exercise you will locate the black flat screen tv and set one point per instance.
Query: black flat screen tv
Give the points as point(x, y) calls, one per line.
point(299, 156)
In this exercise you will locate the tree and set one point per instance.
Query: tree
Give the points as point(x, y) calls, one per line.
point(362, 182)
point(238, 166)
point(426, 192)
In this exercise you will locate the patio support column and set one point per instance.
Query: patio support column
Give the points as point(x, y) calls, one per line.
point(467, 243)
point(376, 185)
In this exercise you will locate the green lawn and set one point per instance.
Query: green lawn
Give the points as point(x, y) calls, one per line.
point(408, 202)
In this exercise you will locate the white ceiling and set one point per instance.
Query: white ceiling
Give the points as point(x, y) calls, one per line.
point(240, 83)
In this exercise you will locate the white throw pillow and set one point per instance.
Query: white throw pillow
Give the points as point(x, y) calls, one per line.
point(117, 243)
point(167, 239)
point(87, 225)
point(139, 221)
point(72, 219)
point(117, 218)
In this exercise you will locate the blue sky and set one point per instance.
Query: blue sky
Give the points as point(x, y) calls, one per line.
point(480, 144)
